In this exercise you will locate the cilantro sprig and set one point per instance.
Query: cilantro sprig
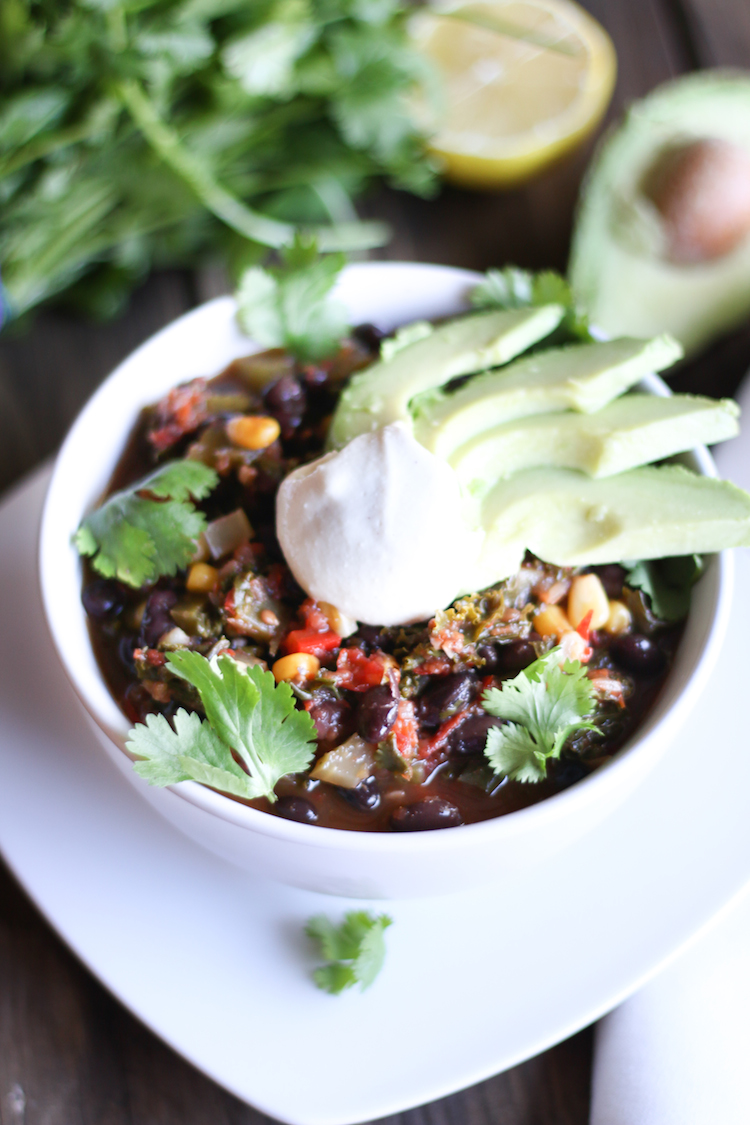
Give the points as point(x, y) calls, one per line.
point(149, 529)
point(290, 305)
point(246, 712)
point(354, 950)
point(513, 288)
point(543, 706)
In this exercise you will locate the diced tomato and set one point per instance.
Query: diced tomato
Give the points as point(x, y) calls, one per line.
point(405, 730)
point(180, 412)
point(607, 686)
point(435, 666)
point(358, 672)
point(430, 746)
point(311, 641)
point(151, 656)
point(313, 616)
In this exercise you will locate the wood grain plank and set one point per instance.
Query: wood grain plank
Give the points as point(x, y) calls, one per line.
point(48, 370)
point(720, 30)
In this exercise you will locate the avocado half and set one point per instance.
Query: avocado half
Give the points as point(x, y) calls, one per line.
point(620, 268)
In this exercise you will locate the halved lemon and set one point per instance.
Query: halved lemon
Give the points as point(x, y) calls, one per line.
point(524, 81)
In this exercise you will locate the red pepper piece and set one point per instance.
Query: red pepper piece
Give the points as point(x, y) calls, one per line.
point(311, 641)
point(584, 626)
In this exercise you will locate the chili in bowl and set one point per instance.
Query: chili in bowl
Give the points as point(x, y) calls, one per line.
point(397, 711)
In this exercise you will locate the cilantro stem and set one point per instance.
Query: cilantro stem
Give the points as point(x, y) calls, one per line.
point(232, 211)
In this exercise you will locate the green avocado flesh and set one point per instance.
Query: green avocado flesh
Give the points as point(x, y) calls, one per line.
point(630, 431)
point(582, 377)
point(618, 268)
point(381, 393)
point(569, 519)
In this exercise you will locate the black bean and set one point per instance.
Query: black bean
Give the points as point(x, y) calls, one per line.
point(376, 713)
point(369, 335)
point(638, 654)
point(510, 658)
point(157, 619)
point(423, 816)
point(370, 637)
point(332, 718)
point(287, 401)
point(365, 796)
point(296, 808)
point(103, 599)
point(471, 736)
point(566, 771)
point(444, 696)
point(125, 647)
point(611, 577)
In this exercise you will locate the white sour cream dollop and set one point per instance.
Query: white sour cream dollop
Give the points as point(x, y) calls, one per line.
point(377, 529)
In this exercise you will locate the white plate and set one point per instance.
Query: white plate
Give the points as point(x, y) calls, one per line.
point(215, 961)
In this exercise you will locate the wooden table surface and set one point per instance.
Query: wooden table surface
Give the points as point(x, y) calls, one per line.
point(69, 1053)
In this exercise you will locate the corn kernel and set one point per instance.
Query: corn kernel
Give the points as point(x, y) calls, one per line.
point(298, 666)
point(338, 621)
point(253, 431)
point(620, 619)
point(587, 596)
point(552, 622)
point(201, 578)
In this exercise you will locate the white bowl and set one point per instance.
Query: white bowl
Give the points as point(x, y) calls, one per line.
point(357, 864)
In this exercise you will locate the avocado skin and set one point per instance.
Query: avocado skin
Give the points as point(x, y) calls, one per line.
point(381, 393)
point(618, 267)
point(635, 429)
point(569, 519)
point(581, 377)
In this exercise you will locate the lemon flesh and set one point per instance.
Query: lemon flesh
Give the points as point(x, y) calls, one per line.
point(524, 81)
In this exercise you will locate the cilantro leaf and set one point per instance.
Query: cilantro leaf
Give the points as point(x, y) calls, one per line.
point(290, 306)
point(247, 712)
point(543, 706)
point(668, 583)
point(355, 950)
point(190, 752)
point(513, 288)
point(135, 538)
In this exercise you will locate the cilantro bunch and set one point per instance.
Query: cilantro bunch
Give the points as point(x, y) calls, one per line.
point(136, 133)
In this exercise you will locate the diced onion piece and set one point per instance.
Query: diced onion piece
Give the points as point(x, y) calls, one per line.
point(347, 764)
point(246, 658)
point(337, 620)
point(587, 596)
point(227, 533)
point(174, 638)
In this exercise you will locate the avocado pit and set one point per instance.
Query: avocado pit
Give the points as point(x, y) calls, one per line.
point(701, 190)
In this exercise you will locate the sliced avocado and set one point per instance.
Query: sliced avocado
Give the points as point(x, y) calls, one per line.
point(633, 430)
point(582, 377)
point(623, 268)
point(381, 393)
point(569, 519)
